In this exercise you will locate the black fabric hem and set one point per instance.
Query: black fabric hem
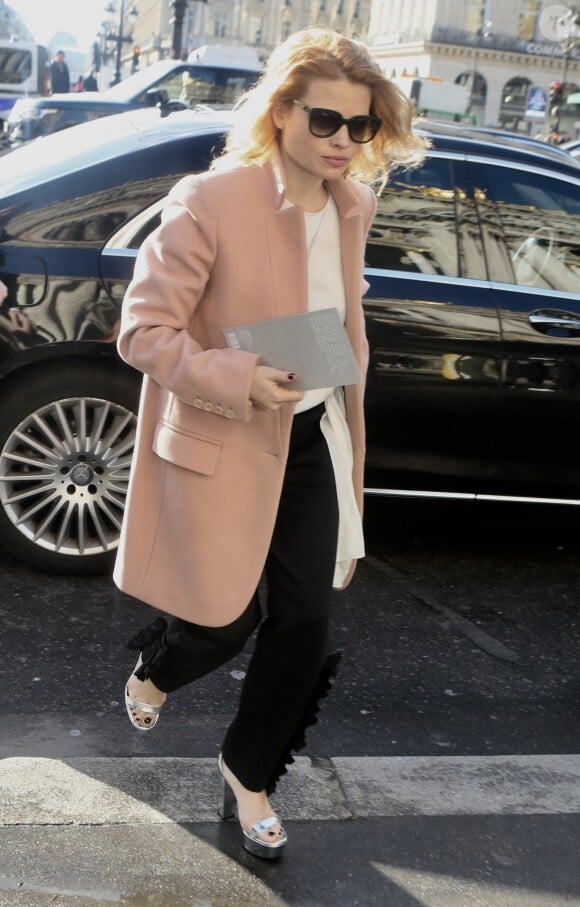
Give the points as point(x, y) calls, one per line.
point(309, 718)
point(151, 643)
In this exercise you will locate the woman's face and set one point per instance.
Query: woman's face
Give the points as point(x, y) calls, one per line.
point(305, 155)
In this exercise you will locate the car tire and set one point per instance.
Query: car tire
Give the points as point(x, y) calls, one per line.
point(66, 438)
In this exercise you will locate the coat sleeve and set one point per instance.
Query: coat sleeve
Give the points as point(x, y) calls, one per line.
point(172, 270)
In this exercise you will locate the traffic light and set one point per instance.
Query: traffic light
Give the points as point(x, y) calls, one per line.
point(135, 61)
point(556, 89)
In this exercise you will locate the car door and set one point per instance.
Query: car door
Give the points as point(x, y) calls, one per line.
point(531, 222)
point(433, 328)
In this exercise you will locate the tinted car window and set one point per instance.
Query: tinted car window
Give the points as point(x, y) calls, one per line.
point(539, 219)
point(415, 228)
point(15, 65)
point(205, 85)
point(132, 234)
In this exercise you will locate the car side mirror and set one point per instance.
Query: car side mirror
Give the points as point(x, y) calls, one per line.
point(157, 96)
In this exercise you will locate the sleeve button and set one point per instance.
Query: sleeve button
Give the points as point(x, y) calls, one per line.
point(208, 406)
point(230, 414)
point(198, 403)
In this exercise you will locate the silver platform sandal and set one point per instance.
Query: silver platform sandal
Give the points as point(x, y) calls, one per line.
point(250, 838)
point(135, 705)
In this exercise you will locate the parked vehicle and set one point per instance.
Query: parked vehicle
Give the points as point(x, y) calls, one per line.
point(473, 319)
point(23, 73)
point(572, 147)
point(435, 97)
point(207, 78)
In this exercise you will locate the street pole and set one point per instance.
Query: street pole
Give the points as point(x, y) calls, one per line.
point(483, 34)
point(177, 20)
point(117, 77)
point(567, 50)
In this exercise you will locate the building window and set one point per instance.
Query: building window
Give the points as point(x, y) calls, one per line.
point(527, 18)
point(220, 25)
point(286, 29)
point(475, 15)
point(256, 29)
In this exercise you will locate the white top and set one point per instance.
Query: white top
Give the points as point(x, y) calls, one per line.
point(326, 289)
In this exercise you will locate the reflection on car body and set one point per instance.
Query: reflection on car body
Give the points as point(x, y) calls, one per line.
point(473, 320)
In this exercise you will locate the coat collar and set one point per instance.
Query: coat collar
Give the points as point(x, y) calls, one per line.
point(342, 190)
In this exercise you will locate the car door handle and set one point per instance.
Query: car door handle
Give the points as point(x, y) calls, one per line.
point(545, 320)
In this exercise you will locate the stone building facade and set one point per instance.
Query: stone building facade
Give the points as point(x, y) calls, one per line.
point(256, 23)
point(498, 50)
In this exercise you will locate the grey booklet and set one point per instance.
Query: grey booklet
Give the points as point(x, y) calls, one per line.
point(314, 345)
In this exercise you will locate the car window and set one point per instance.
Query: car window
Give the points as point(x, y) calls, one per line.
point(171, 83)
point(205, 85)
point(132, 234)
point(537, 219)
point(15, 65)
point(415, 228)
point(87, 219)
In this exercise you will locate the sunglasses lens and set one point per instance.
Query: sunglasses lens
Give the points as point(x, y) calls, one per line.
point(324, 123)
point(363, 129)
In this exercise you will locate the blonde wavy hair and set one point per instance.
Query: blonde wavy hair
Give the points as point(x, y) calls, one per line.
point(317, 53)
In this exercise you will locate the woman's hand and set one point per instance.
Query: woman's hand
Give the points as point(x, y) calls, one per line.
point(268, 392)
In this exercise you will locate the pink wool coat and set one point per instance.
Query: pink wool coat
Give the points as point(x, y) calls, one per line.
point(207, 470)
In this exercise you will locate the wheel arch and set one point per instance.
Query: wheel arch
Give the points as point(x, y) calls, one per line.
point(72, 354)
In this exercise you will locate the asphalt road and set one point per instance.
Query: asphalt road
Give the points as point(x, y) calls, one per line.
point(444, 771)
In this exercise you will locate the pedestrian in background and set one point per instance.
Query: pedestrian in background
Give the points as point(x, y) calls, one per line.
point(59, 74)
point(90, 81)
point(236, 473)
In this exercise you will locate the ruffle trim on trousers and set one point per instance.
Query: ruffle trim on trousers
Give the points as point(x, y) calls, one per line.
point(151, 643)
point(309, 718)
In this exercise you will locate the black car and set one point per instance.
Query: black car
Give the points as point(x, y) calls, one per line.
point(171, 83)
point(473, 318)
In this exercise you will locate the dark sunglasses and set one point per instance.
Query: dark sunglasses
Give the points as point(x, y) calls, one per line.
point(323, 123)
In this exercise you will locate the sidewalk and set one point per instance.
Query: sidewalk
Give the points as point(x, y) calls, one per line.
point(395, 832)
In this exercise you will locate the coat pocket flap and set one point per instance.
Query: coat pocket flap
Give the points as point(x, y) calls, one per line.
point(192, 452)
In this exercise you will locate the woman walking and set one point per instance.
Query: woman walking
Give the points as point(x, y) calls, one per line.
point(237, 474)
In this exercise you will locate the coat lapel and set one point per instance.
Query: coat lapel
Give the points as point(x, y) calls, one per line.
point(287, 245)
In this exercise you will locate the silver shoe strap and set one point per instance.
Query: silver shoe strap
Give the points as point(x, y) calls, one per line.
point(264, 824)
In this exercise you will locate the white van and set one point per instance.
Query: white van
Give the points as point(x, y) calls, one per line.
point(435, 97)
point(232, 56)
point(24, 72)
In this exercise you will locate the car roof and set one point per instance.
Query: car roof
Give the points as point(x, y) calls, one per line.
point(471, 141)
point(100, 140)
point(74, 149)
point(570, 146)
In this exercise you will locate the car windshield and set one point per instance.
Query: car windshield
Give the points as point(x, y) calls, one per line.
point(15, 65)
point(203, 84)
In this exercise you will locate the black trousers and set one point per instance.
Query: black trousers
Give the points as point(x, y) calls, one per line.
point(287, 668)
